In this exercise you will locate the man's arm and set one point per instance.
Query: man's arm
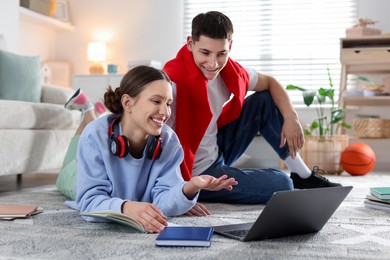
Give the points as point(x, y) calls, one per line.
point(292, 132)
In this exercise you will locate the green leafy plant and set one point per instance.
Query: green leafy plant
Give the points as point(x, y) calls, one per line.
point(325, 124)
point(367, 80)
point(370, 85)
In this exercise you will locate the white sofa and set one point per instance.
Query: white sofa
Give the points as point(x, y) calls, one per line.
point(35, 128)
point(34, 136)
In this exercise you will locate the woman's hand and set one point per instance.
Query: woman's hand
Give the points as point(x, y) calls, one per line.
point(148, 214)
point(207, 182)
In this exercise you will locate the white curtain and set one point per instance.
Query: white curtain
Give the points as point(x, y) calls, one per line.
point(295, 41)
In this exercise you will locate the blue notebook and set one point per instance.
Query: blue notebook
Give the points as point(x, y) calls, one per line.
point(185, 236)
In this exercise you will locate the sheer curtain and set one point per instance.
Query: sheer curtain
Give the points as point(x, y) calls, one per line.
point(295, 41)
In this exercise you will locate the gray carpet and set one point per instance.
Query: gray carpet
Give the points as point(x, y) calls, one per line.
point(353, 232)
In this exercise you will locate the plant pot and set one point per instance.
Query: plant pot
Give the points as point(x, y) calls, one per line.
point(324, 152)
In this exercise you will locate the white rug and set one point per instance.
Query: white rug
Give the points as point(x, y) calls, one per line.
point(353, 232)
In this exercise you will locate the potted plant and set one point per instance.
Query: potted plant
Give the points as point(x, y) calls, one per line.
point(323, 146)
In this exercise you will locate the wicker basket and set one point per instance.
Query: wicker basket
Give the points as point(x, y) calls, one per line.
point(325, 152)
point(371, 128)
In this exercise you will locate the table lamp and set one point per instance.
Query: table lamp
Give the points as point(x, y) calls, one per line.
point(97, 52)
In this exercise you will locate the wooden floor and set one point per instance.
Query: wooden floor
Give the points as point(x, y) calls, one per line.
point(9, 183)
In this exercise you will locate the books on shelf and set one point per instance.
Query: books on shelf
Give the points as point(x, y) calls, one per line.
point(185, 236)
point(115, 217)
point(378, 198)
point(10, 212)
point(380, 192)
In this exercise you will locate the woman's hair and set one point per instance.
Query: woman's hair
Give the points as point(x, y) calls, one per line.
point(132, 84)
point(212, 24)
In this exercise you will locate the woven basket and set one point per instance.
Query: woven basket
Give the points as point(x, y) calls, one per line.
point(325, 152)
point(371, 128)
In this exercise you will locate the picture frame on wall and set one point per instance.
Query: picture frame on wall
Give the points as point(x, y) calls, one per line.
point(62, 10)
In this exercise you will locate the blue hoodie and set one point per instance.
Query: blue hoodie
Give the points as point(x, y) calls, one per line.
point(105, 181)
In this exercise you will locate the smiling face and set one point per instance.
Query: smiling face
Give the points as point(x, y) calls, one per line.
point(210, 55)
point(148, 112)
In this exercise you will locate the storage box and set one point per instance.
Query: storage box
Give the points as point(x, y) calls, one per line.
point(371, 127)
point(386, 85)
point(39, 6)
point(362, 31)
point(365, 55)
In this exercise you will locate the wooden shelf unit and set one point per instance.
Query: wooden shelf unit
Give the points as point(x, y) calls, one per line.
point(367, 55)
point(46, 21)
point(366, 101)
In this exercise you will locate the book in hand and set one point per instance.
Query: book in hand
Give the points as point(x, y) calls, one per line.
point(185, 236)
point(10, 212)
point(115, 217)
point(380, 192)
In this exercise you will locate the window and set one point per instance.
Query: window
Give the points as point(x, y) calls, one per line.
point(295, 41)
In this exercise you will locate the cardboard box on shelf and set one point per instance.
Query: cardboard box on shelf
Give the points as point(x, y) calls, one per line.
point(362, 31)
point(40, 6)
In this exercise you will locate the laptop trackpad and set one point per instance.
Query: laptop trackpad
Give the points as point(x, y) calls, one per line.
point(237, 231)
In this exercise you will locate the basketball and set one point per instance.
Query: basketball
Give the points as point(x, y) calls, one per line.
point(358, 159)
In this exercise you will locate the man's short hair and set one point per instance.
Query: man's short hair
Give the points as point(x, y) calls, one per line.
point(212, 24)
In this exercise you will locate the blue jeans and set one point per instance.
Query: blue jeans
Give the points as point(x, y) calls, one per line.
point(255, 186)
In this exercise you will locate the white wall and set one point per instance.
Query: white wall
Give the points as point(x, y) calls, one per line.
point(133, 29)
point(43, 46)
point(377, 10)
point(9, 25)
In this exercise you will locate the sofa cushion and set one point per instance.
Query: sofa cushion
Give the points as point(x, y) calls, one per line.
point(30, 115)
point(20, 77)
point(55, 94)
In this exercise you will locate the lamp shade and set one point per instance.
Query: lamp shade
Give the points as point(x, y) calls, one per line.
point(97, 51)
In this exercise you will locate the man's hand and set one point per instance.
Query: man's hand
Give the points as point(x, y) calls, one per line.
point(198, 210)
point(292, 133)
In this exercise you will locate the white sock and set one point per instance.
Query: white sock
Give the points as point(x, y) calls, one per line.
point(88, 107)
point(298, 166)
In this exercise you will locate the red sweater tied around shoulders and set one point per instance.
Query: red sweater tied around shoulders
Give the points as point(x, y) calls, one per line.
point(193, 113)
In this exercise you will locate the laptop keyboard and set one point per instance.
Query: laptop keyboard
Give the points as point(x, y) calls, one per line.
point(238, 233)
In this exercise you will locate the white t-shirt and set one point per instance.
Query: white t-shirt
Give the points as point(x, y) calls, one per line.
point(218, 95)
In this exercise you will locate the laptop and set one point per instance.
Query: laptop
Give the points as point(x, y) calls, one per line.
point(290, 213)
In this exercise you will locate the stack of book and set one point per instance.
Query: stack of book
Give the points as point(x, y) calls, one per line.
point(10, 212)
point(378, 198)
